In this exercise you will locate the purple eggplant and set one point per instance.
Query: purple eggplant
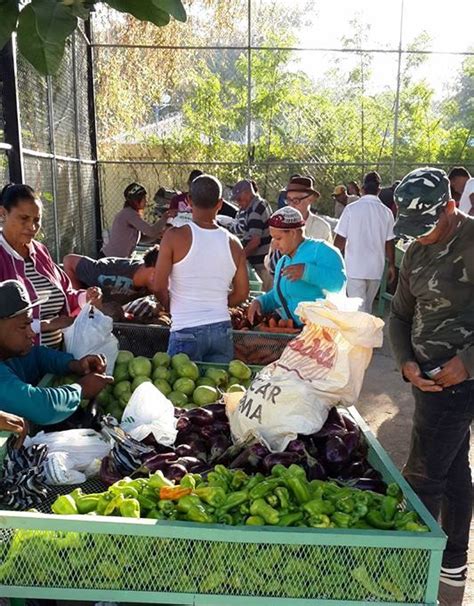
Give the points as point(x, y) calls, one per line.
point(297, 446)
point(336, 451)
point(183, 424)
point(315, 470)
point(351, 440)
point(353, 471)
point(370, 484)
point(175, 472)
point(218, 447)
point(328, 430)
point(251, 458)
point(281, 458)
point(349, 423)
point(183, 450)
point(198, 447)
point(108, 471)
point(335, 418)
point(199, 416)
point(218, 411)
point(190, 463)
point(179, 412)
point(372, 473)
point(158, 462)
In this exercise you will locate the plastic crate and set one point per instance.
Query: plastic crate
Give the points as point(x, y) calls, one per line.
point(250, 346)
point(147, 561)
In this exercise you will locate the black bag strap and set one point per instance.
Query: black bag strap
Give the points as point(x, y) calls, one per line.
point(280, 294)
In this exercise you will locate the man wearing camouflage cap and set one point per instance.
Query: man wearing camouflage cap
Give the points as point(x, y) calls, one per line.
point(432, 335)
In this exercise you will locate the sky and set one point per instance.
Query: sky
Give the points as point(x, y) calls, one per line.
point(450, 31)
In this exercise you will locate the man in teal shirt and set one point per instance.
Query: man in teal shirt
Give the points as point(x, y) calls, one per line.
point(22, 365)
point(308, 270)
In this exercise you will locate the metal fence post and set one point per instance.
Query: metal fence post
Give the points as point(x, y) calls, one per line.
point(397, 98)
point(93, 133)
point(54, 182)
point(80, 191)
point(11, 111)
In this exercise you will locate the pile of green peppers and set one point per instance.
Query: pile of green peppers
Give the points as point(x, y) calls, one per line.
point(285, 498)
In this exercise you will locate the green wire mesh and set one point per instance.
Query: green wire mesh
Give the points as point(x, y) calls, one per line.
point(37, 558)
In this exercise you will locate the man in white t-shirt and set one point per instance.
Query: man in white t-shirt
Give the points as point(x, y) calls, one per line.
point(365, 236)
point(462, 189)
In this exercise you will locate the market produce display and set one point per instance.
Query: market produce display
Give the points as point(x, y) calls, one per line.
point(286, 497)
point(178, 378)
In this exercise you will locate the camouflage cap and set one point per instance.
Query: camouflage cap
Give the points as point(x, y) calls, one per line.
point(420, 197)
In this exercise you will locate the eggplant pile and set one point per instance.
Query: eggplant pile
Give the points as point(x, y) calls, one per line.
point(23, 482)
point(338, 451)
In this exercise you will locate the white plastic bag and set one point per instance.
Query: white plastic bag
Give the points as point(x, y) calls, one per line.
point(83, 446)
point(91, 333)
point(320, 368)
point(149, 411)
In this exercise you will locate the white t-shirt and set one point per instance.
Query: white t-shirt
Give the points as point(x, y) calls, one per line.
point(465, 203)
point(317, 228)
point(367, 225)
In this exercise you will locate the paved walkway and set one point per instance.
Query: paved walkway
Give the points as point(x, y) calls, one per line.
point(387, 406)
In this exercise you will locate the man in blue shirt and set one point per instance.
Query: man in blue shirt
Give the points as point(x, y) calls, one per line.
point(22, 365)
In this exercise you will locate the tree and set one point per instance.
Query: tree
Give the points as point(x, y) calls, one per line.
point(44, 26)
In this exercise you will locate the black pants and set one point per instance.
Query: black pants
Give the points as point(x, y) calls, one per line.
point(438, 463)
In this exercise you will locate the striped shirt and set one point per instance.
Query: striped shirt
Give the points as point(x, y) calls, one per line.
point(53, 306)
point(251, 222)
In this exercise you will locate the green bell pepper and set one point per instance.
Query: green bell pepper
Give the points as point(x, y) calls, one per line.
point(394, 490)
point(376, 519)
point(272, 500)
point(403, 517)
point(261, 508)
point(156, 514)
point(283, 497)
point(197, 513)
point(239, 479)
point(113, 505)
point(217, 480)
point(345, 504)
point(87, 503)
point(213, 495)
point(341, 519)
point(255, 521)
point(319, 521)
point(185, 503)
point(166, 506)
point(263, 488)
point(158, 480)
point(389, 508)
point(415, 527)
point(319, 506)
point(254, 480)
point(65, 505)
point(188, 481)
point(130, 508)
point(290, 519)
point(146, 503)
point(233, 500)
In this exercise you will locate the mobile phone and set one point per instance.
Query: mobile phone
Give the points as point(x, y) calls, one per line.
point(431, 374)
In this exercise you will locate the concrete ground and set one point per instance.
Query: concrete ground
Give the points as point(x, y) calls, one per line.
point(387, 406)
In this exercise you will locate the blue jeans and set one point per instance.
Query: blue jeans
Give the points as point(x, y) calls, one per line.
point(207, 343)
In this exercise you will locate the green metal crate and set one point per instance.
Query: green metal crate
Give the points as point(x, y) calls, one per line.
point(147, 561)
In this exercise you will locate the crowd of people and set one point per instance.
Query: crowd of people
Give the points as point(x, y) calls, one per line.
point(200, 269)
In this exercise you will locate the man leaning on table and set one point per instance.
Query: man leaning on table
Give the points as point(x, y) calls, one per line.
point(22, 365)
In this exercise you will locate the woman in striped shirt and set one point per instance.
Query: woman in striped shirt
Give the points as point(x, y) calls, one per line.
point(23, 258)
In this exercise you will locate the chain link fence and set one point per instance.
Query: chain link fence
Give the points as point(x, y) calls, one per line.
point(56, 149)
point(267, 89)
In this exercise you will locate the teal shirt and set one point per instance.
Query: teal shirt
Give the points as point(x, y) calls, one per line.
point(41, 405)
point(324, 272)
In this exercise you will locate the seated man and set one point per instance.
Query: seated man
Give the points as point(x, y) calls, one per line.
point(22, 365)
point(121, 279)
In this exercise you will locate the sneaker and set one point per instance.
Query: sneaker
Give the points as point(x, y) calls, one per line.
point(455, 577)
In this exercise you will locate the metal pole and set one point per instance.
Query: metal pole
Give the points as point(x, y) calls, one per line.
point(11, 111)
point(93, 135)
point(80, 191)
point(54, 181)
point(362, 111)
point(249, 88)
point(397, 97)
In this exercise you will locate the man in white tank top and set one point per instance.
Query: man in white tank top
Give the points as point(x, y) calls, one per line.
point(201, 271)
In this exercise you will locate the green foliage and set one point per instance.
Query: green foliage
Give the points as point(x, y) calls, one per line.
point(44, 26)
